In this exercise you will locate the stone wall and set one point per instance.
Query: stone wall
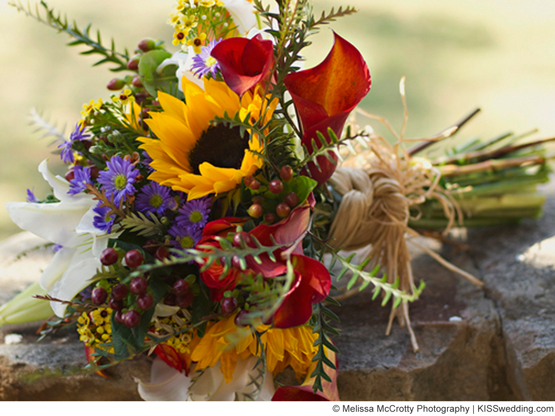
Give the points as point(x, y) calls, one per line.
point(491, 344)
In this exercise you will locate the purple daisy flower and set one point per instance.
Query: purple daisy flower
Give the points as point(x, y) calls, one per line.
point(31, 196)
point(118, 180)
point(102, 220)
point(204, 63)
point(194, 214)
point(147, 161)
point(82, 178)
point(184, 237)
point(154, 198)
point(67, 151)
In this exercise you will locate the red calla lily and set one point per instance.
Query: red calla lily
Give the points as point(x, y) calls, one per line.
point(325, 95)
point(245, 62)
point(312, 279)
point(312, 285)
point(223, 226)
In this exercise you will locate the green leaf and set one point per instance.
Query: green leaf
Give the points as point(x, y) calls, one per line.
point(153, 80)
point(202, 306)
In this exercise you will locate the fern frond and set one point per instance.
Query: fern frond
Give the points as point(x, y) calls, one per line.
point(56, 21)
point(48, 129)
point(139, 223)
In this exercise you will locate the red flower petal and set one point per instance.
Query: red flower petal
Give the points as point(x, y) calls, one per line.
point(312, 285)
point(223, 226)
point(286, 231)
point(214, 276)
point(168, 354)
point(244, 62)
point(326, 94)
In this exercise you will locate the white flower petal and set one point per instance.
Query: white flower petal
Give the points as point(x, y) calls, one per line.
point(163, 310)
point(57, 267)
point(167, 384)
point(55, 222)
point(59, 185)
point(101, 242)
point(226, 391)
point(86, 223)
point(211, 379)
point(77, 277)
point(242, 13)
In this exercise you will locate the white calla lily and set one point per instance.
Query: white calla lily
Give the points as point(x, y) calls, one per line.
point(243, 14)
point(68, 223)
point(184, 61)
point(168, 384)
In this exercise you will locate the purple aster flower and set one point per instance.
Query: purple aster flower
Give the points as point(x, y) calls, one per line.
point(203, 63)
point(147, 161)
point(67, 151)
point(184, 237)
point(194, 214)
point(102, 220)
point(82, 178)
point(31, 196)
point(154, 198)
point(118, 180)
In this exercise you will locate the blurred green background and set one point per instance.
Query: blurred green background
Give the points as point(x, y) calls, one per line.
point(456, 55)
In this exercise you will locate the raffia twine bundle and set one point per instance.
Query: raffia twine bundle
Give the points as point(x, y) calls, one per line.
point(380, 187)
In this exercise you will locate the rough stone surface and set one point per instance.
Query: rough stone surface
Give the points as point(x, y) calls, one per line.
point(491, 344)
point(31, 370)
point(517, 265)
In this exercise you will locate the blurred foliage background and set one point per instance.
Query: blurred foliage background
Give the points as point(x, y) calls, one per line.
point(456, 55)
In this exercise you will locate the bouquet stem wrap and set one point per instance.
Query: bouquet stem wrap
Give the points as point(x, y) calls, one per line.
point(377, 198)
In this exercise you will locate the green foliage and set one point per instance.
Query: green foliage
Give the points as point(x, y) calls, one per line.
point(207, 255)
point(370, 278)
point(321, 321)
point(202, 307)
point(264, 296)
point(324, 147)
point(141, 224)
point(155, 81)
point(260, 370)
point(61, 24)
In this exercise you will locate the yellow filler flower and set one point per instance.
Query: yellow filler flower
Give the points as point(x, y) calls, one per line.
point(193, 154)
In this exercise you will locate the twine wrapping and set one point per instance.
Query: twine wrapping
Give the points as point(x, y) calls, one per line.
point(378, 196)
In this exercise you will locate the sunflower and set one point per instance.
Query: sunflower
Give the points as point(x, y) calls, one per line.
point(225, 342)
point(195, 155)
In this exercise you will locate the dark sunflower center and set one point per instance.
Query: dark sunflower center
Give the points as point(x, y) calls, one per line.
point(221, 146)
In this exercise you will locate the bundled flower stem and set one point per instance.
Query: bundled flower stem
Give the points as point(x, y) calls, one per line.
point(386, 193)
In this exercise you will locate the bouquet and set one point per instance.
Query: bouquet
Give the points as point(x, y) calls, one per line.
point(203, 210)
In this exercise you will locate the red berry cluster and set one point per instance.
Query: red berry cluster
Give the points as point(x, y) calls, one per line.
point(182, 295)
point(276, 186)
point(134, 81)
point(127, 300)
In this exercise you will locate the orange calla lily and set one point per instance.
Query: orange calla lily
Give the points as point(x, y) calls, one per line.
point(325, 95)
